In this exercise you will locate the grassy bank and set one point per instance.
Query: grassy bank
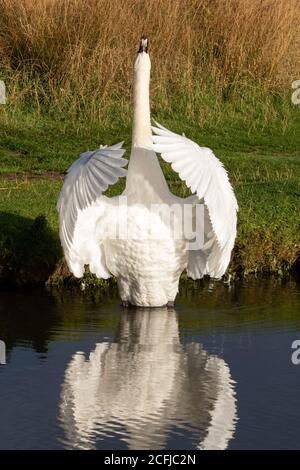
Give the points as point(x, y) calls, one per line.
point(221, 72)
point(263, 164)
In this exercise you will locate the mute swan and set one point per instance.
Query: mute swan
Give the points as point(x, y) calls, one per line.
point(147, 263)
point(147, 387)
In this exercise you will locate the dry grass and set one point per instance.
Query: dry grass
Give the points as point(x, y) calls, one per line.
point(78, 53)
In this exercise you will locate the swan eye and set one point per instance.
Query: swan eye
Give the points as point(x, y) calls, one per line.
point(144, 42)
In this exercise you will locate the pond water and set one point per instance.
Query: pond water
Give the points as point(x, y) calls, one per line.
point(214, 373)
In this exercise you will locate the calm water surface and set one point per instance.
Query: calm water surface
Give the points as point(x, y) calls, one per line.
point(213, 373)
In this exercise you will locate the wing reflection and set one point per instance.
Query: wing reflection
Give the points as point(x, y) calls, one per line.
point(148, 390)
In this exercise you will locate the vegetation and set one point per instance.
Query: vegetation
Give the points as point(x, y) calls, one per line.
point(221, 72)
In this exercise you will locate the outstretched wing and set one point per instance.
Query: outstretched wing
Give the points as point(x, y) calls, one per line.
point(205, 175)
point(85, 181)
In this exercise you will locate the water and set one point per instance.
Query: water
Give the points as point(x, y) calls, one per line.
point(214, 373)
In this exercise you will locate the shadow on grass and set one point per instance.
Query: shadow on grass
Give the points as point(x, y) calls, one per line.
point(29, 250)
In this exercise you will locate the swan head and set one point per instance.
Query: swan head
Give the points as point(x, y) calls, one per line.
point(144, 42)
point(142, 64)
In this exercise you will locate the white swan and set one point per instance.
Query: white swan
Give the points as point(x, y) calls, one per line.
point(149, 259)
point(147, 387)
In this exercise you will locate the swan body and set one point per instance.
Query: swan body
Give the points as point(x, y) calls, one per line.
point(150, 258)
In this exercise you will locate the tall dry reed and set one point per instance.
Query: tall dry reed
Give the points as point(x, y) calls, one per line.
point(75, 52)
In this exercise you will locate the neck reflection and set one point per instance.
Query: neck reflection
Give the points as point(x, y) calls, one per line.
point(146, 390)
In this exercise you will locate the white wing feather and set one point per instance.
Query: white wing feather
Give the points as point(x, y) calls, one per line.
point(85, 181)
point(205, 175)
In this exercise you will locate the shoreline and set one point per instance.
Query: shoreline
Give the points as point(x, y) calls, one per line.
point(59, 277)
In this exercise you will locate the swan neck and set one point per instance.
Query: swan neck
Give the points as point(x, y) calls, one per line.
point(141, 132)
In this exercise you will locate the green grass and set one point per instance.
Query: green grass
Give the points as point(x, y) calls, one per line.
point(257, 141)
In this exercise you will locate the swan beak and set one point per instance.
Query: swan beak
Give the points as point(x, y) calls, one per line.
point(143, 44)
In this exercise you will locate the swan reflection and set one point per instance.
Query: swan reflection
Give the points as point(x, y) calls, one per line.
point(147, 390)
